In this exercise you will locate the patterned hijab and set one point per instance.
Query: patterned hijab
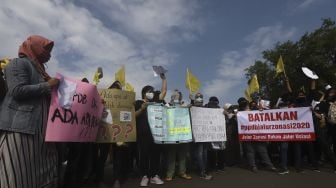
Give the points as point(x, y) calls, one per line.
point(37, 49)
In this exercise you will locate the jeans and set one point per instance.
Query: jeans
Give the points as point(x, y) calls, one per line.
point(297, 155)
point(179, 150)
point(260, 148)
point(200, 152)
point(284, 155)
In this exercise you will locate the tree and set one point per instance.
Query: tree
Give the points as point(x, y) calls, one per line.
point(263, 71)
point(316, 50)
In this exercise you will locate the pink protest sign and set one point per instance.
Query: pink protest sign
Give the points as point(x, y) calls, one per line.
point(75, 112)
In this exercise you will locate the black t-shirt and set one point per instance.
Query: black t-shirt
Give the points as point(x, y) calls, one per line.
point(142, 125)
point(323, 107)
point(210, 105)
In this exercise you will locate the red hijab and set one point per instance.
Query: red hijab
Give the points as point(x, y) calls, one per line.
point(37, 49)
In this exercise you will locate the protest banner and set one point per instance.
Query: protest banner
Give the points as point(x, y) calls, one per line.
point(291, 124)
point(208, 124)
point(169, 124)
point(120, 124)
point(74, 112)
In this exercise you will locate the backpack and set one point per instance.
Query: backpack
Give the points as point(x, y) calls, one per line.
point(332, 113)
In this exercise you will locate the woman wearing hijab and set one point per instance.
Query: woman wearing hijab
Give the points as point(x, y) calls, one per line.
point(25, 159)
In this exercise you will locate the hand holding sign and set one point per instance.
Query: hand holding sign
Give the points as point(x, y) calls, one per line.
point(309, 73)
point(159, 70)
point(100, 72)
point(144, 105)
point(80, 122)
point(163, 76)
point(121, 116)
point(53, 82)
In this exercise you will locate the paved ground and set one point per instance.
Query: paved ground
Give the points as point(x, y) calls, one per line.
point(241, 178)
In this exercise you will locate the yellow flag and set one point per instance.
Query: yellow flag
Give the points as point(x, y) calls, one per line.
point(129, 87)
point(4, 63)
point(120, 76)
point(252, 87)
point(192, 83)
point(280, 66)
point(96, 77)
point(247, 95)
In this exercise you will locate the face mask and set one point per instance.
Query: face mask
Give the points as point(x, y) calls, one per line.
point(199, 99)
point(150, 96)
point(230, 115)
point(176, 101)
point(314, 103)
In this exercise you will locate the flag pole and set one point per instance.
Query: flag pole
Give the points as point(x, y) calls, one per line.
point(124, 86)
point(188, 80)
point(283, 66)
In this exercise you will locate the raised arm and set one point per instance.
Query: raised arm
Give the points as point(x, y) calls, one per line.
point(289, 88)
point(163, 87)
point(313, 85)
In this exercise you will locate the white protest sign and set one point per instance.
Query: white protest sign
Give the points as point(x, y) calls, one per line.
point(290, 124)
point(309, 73)
point(208, 124)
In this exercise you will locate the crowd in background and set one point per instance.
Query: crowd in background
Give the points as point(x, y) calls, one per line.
point(27, 161)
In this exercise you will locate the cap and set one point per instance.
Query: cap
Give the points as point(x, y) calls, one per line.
point(227, 106)
point(327, 87)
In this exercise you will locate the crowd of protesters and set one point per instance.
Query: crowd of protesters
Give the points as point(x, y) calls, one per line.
point(26, 160)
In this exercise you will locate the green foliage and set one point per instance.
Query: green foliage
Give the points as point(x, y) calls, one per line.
point(316, 50)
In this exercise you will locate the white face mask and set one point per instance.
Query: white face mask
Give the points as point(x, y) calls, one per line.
point(230, 115)
point(199, 99)
point(176, 101)
point(150, 96)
